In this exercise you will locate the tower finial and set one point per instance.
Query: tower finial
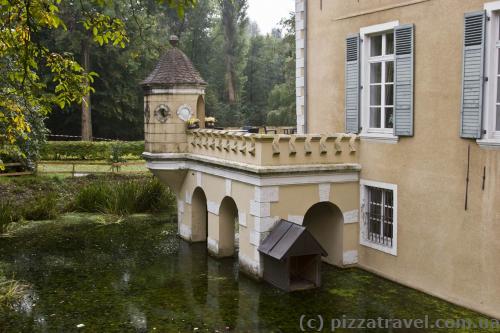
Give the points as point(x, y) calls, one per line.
point(174, 40)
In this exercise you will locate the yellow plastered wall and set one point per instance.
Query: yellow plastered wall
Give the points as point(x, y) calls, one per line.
point(443, 249)
point(170, 136)
point(260, 207)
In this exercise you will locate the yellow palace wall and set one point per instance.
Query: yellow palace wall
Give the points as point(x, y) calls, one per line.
point(443, 249)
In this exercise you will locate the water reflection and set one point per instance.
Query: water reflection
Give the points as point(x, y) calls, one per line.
point(27, 302)
point(137, 319)
point(139, 277)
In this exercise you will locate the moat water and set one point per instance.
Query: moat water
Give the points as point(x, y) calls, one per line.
point(137, 276)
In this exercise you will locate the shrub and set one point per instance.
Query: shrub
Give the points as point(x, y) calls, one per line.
point(123, 200)
point(154, 196)
point(124, 197)
point(92, 198)
point(88, 150)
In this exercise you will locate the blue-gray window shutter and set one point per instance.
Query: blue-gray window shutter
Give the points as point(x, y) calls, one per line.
point(352, 84)
point(473, 75)
point(404, 41)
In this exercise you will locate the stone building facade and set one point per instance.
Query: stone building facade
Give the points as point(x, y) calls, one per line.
point(395, 168)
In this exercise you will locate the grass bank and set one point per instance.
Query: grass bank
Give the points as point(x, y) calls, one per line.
point(45, 198)
point(41, 204)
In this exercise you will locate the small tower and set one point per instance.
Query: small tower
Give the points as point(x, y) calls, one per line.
point(173, 93)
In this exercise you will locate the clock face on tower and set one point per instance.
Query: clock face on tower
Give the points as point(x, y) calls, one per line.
point(184, 112)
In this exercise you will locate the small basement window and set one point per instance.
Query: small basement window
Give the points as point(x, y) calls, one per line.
point(379, 229)
point(379, 215)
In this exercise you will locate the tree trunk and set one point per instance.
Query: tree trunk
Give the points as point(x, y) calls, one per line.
point(230, 28)
point(231, 89)
point(86, 107)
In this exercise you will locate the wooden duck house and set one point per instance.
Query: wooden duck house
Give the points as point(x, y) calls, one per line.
point(292, 257)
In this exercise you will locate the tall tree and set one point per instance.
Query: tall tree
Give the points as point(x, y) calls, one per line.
point(234, 21)
point(86, 106)
point(35, 77)
point(281, 100)
point(117, 100)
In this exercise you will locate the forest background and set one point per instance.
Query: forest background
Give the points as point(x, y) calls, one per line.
point(250, 75)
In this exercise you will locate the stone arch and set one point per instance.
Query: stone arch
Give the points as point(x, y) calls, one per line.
point(325, 221)
point(200, 110)
point(199, 215)
point(228, 221)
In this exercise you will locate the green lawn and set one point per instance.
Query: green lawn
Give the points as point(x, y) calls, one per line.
point(86, 167)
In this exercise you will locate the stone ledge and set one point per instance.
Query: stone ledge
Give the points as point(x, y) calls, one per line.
point(256, 169)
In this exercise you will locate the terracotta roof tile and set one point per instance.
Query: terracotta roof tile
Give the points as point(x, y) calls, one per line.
point(174, 68)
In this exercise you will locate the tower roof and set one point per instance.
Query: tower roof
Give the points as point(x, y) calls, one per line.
point(174, 68)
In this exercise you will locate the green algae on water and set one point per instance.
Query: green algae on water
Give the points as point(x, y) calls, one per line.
point(133, 274)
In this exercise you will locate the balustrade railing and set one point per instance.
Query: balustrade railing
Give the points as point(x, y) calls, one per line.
point(273, 149)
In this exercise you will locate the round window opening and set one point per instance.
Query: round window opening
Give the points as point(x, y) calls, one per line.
point(162, 113)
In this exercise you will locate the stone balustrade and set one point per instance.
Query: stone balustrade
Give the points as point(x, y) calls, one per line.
point(270, 150)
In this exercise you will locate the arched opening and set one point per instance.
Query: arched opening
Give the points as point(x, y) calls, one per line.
point(228, 227)
point(200, 110)
point(325, 222)
point(199, 216)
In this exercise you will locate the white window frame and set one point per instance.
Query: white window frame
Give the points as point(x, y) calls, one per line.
point(363, 230)
point(372, 134)
point(491, 139)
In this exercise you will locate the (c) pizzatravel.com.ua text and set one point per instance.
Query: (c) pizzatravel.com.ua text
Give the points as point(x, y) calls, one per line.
point(318, 323)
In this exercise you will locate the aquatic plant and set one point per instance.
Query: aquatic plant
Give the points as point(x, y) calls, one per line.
point(155, 197)
point(41, 208)
point(8, 214)
point(11, 291)
point(124, 197)
point(92, 198)
point(123, 200)
point(44, 198)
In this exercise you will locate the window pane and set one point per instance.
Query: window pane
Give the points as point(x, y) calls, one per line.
point(389, 94)
point(376, 45)
point(498, 118)
point(389, 44)
point(376, 72)
point(498, 89)
point(375, 95)
point(389, 71)
point(375, 117)
point(374, 229)
point(498, 37)
point(375, 200)
point(388, 216)
point(498, 64)
point(389, 118)
point(388, 233)
point(388, 198)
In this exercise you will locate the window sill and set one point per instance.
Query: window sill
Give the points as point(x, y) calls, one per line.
point(489, 143)
point(389, 250)
point(379, 137)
